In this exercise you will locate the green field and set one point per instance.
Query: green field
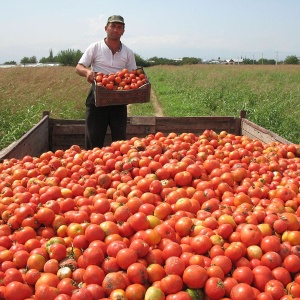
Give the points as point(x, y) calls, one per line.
point(269, 94)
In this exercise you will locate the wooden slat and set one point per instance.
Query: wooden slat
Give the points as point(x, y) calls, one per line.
point(34, 142)
point(197, 125)
point(257, 132)
point(139, 120)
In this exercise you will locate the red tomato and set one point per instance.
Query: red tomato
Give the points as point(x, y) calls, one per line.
point(292, 263)
point(201, 244)
point(166, 231)
point(36, 261)
point(94, 232)
point(293, 289)
point(113, 281)
point(45, 216)
point(250, 235)
point(82, 294)
point(222, 261)
point(125, 257)
point(183, 178)
point(17, 291)
point(155, 272)
point(49, 279)
point(241, 291)
point(174, 265)
point(96, 290)
point(93, 256)
point(214, 288)
point(93, 275)
point(275, 288)
point(139, 221)
point(66, 286)
point(171, 284)
point(57, 251)
point(262, 275)
point(137, 273)
point(151, 237)
point(135, 291)
point(171, 249)
point(229, 283)
point(243, 274)
point(194, 276)
point(271, 260)
point(140, 247)
point(45, 291)
point(270, 243)
point(282, 274)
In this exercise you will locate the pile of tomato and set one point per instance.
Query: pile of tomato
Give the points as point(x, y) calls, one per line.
point(122, 80)
point(176, 217)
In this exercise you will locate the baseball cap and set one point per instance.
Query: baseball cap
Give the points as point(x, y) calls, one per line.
point(115, 19)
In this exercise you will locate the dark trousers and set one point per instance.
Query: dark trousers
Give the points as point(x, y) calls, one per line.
point(98, 119)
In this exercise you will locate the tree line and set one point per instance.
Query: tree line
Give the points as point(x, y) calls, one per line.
point(70, 57)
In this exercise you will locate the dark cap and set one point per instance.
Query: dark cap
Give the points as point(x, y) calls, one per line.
point(115, 19)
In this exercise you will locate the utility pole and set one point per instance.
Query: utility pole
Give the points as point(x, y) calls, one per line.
point(276, 57)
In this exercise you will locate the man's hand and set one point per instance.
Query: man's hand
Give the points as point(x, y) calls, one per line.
point(85, 72)
point(90, 76)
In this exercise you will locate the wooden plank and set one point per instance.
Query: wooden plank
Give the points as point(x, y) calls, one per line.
point(196, 125)
point(64, 133)
point(139, 120)
point(71, 129)
point(34, 142)
point(257, 132)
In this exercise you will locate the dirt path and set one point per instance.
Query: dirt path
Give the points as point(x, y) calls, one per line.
point(157, 107)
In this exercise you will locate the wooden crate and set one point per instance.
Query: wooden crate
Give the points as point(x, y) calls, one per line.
point(105, 97)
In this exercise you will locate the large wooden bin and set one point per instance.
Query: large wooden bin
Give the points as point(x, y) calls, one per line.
point(105, 97)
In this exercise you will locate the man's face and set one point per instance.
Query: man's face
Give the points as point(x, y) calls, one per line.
point(114, 30)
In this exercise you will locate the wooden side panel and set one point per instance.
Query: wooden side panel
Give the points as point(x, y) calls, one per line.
point(197, 125)
point(65, 133)
point(34, 142)
point(53, 134)
point(254, 131)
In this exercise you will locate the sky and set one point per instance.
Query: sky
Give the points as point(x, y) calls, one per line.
point(206, 29)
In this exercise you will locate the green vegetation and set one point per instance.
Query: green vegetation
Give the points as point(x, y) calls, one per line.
point(269, 94)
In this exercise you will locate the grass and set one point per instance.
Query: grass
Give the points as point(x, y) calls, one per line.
point(269, 94)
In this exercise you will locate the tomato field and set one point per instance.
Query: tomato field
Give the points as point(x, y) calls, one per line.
point(175, 217)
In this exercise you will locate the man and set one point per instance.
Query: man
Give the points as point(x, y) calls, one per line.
point(108, 56)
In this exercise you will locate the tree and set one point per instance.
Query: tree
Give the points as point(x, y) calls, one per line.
point(49, 59)
point(140, 61)
point(248, 61)
point(291, 60)
point(69, 57)
point(29, 60)
point(190, 61)
point(10, 63)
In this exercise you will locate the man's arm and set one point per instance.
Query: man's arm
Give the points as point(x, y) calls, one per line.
point(85, 72)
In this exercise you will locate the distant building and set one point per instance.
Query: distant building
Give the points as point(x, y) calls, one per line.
point(235, 61)
point(32, 65)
